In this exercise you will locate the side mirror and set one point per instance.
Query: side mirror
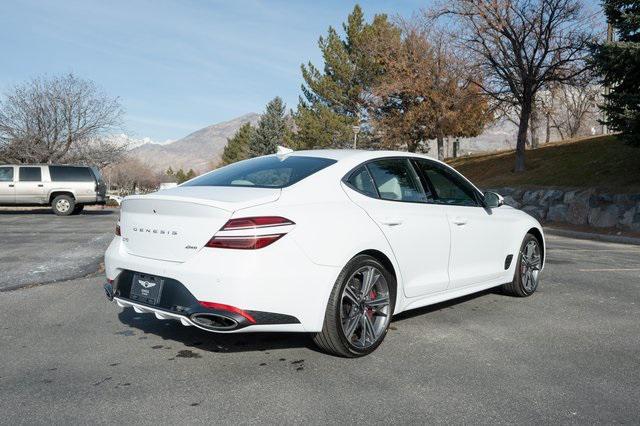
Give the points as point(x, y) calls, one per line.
point(493, 200)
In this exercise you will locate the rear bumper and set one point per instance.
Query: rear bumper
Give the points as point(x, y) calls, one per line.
point(272, 283)
point(179, 304)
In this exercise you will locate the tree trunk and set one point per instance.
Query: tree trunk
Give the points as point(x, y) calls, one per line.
point(535, 136)
point(548, 136)
point(441, 153)
point(523, 127)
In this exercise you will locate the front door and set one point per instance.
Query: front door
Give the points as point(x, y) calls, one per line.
point(29, 187)
point(418, 232)
point(478, 250)
point(7, 185)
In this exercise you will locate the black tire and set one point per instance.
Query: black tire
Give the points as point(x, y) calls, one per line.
point(517, 287)
point(332, 338)
point(63, 205)
point(78, 209)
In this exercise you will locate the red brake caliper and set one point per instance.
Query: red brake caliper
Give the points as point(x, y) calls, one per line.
point(372, 296)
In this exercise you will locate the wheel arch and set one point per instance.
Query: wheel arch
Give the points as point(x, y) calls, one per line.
point(54, 194)
point(388, 264)
point(537, 233)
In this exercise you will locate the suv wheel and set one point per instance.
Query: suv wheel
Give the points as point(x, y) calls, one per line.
point(359, 309)
point(63, 205)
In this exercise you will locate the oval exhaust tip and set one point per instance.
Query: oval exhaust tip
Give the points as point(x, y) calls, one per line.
point(214, 321)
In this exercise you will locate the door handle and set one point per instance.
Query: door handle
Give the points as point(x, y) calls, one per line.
point(391, 221)
point(11, 185)
point(40, 185)
point(459, 221)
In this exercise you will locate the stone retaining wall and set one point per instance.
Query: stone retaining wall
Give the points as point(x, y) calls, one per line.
point(577, 207)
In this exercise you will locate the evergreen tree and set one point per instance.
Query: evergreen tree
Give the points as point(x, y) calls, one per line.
point(336, 98)
point(237, 148)
point(618, 64)
point(169, 171)
point(180, 176)
point(190, 175)
point(272, 130)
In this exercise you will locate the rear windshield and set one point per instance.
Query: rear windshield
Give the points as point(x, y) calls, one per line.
point(263, 172)
point(71, 174)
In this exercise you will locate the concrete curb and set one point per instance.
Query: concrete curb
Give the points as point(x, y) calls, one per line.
point(592, 236)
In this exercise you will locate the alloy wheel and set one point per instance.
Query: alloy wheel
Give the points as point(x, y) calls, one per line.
point(530, 265)
point(365, 307)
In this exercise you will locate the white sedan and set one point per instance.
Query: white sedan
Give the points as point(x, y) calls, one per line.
point(327, 242)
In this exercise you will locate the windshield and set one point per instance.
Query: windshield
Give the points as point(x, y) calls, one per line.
point(263, 172)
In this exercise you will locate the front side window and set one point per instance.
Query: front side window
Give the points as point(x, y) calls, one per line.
point(71, 174)
point(396, 180)
point(448, 188)
point(30, 174)
point(361, 181)
point(6, 174)
point(263, 172)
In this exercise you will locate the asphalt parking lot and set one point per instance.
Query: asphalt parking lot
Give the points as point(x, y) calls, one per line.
point(569, 354)
point(40, 247)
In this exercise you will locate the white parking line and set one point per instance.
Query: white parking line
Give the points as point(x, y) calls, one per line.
point(609, 269)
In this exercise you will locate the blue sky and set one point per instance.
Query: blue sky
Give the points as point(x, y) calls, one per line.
point(176, 66)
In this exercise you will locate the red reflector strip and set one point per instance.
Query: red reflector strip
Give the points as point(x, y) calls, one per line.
point(243, 243)
point(256, 222)
point(228, 308)
point(118, 233)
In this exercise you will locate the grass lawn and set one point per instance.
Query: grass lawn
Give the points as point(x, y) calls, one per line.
point(602, 162)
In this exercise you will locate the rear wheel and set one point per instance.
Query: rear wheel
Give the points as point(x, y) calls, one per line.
point(359, 309)
point(63, 205)
point(527, 274)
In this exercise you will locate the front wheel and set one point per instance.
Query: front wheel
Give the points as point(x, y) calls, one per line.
point(527, 274)
point(359, 309)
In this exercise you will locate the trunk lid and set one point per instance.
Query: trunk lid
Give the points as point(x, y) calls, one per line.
point(175, 224)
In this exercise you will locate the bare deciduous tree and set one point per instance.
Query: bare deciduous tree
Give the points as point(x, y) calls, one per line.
point(48, 120)
point(521, 45)
point(129, 176)
point(574, 105)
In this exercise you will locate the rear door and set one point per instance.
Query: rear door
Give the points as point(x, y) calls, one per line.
point(29, 187)
point(478, 243)
point(418, 233)
point(7, 185)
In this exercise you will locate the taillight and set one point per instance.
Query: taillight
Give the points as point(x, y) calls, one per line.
point(256, 222)
point(228, 308)
point(118, 233)
point(249, 233)
point(244, 243)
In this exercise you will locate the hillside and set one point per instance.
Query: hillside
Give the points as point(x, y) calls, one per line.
point(198, 150)
point(601, 162)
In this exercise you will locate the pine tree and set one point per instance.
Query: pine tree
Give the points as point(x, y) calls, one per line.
point(272, 130)
point(335, 99)
point(237, 148)
point(169, 172)
point(618, 64)
point(180, 176)
point(190, 175)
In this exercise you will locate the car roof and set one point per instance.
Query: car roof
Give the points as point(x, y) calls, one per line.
point(355, 154)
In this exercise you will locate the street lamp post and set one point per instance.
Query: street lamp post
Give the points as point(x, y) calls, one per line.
point(356, 130)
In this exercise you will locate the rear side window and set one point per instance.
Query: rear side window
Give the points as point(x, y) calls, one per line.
point(30, 174)
point(71, 174)
point(396, 180)
point(6, 174)
point(263, 172)
point(361, 181)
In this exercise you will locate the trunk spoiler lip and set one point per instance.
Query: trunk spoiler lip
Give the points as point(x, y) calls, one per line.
point(229, 206)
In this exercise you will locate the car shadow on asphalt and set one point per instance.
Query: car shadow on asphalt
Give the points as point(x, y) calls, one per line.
point(42, 211)
point(172, 330)
point(443, 305)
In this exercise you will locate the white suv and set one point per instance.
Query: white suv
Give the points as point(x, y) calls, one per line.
point(67, 189)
